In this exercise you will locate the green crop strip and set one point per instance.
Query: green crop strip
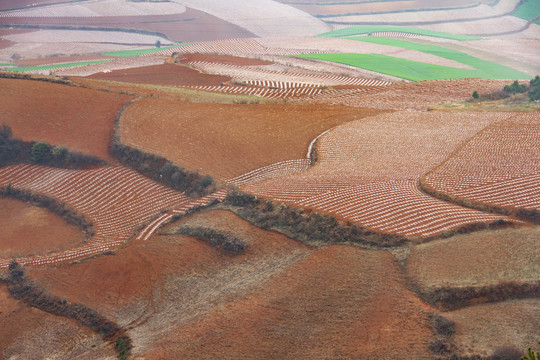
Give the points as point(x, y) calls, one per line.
point(130, 53)
point(529, 10)
point(484, 69)
point(8, 64)
point(389, 65)
point(55, 66)
point(358, 30)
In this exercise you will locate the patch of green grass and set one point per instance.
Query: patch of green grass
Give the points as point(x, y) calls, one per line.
point(55, 66)
point(389, 65)
point(484, 69)
point(357, 30)
point(130, 53)
point(8, 64)
point(529, 10)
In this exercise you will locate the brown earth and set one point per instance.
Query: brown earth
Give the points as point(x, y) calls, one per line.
point(483, 258)
point(223, 59)
point(59, 59)
point(81, 119)
point(335, 303)
point(192, 25)
point(227, 140)
point(165, 74)
point(29, 230)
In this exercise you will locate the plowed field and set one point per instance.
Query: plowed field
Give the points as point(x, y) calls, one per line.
point(78, 118)
point(166, 74)
point(367, 172)
point(228, 140)
point(28, 230)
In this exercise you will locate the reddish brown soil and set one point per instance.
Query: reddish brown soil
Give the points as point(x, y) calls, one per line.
point(340, 302)
point(28, 230)
point(165, 74)
point(229, 140)
point(223, 59)
point(190, 26)
point(5, 43)
point(81, 119)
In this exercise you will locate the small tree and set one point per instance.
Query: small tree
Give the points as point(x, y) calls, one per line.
point(40, 151)
point(475, 95)
point(158, 44)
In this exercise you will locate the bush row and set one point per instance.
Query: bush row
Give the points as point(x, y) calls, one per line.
point(453, 298)
point(22, 288)
point(49, 79)
point(163, 171)
point(307, 226)
point(13, 151)
point(62, 209)
point(223, 240)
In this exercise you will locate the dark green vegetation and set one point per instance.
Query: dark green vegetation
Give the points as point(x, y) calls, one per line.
point(310, 227)
point(226, 241)
point(443, 329)
point(24, 289)
point(531, 354)
point(534, 88)
point(358, 30)
point(54, 66)
point(13, 151)
point(515, 88)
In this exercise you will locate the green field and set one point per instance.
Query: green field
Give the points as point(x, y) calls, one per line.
point(8, 64)
point(357, 30)
point(55, 66)
point(389, 65)
point(529, 10)
point(484, 69)
point(130, 53)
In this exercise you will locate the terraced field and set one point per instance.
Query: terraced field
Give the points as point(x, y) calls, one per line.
point(367, 172)
point(117, 200)
point(500, 166)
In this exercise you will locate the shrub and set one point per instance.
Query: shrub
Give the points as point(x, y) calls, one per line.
point(475, 95)
point(506, 353)
point(515, 88)
point(226, 241)
point(123, 347)
point(40, 151)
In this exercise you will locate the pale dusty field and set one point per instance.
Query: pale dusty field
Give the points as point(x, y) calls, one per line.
point(261, 17)
point(101, 8)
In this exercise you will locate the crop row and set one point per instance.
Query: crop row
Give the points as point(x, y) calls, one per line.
point(262, 92)
point(116, 199)
point(271, 171)
point(250, 74)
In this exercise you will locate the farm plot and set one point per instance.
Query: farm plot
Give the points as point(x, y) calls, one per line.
point(499, 166)
point(117, 200)
point(163, 74)
point(429, 16)
point(228, 140)
point(78, 118)
point(420, 95)
point(27, 230)
point(100, 8)
point(367, 173)
point(366, 30)
point(262, 17)
point(108, 66)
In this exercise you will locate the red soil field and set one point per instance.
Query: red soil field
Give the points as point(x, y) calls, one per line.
point(81, 119)
point(190, 26)
point(28, 230)
point(223, 59)
point(228, 140)
point(5, 43)
point(165, 74)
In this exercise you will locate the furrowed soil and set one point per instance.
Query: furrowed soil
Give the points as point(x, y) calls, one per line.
point(29, 230)
point(228, 140)
point(81, 119)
